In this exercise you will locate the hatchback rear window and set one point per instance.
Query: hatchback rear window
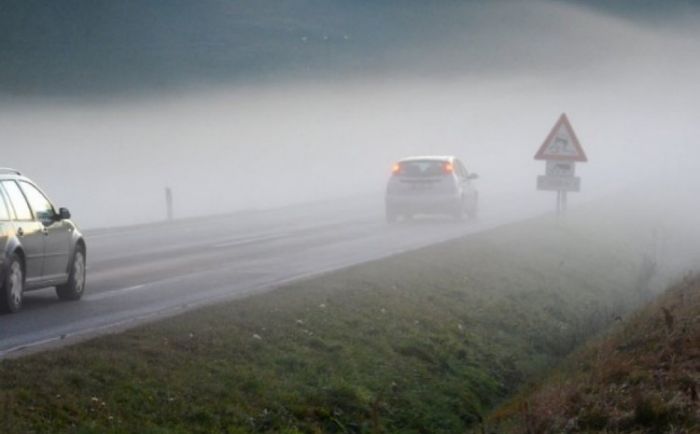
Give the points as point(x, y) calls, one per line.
point(422, 168)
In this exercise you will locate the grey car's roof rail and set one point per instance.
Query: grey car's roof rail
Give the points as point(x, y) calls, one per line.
point(6, 170)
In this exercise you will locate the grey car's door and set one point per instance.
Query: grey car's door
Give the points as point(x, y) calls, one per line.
point(57, 233)
point(5, 227)
point(29, 231)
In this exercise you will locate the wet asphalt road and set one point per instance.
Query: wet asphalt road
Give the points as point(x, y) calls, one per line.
point(140, 273)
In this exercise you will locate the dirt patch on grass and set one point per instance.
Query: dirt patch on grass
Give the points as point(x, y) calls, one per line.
point(644, 377)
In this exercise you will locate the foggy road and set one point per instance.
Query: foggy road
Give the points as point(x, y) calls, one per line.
point(144, 272)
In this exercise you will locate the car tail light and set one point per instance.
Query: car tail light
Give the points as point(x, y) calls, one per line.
point(448, 168)
point(396, 169)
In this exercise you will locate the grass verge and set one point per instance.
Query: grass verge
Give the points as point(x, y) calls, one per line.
point(425, 342)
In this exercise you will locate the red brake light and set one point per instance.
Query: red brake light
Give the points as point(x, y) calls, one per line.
point(396, 169)
point(448, 168)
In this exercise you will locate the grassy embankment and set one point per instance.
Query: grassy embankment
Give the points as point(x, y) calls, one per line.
point(642, 377)
point(423, 342)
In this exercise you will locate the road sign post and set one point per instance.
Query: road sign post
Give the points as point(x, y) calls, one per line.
point(560, 150)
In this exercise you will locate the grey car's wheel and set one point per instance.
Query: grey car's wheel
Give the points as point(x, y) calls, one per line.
point(474, 209)
point(75, 287)
point(460, 210)
point(12, 290)
point(391, 216)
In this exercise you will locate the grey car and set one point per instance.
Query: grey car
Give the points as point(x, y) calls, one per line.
point(431, 185)
point(40, 246)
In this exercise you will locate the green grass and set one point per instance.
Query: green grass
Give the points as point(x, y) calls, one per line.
point(425, 342)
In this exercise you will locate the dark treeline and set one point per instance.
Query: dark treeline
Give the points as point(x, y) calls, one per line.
point(87, 46)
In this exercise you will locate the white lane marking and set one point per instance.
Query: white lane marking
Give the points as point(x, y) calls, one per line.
point(30, 345)
point(292, 232)
point(248, 240)
point(115, 292)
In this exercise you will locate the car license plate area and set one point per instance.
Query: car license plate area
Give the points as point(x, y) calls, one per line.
point(419, 187)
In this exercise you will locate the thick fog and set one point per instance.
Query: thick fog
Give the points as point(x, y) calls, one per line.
point(628, 85)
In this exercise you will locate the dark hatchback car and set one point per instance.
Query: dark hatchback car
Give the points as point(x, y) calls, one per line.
point(40, 247)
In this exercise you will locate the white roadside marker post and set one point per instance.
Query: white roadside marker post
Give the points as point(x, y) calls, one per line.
point(169, 204)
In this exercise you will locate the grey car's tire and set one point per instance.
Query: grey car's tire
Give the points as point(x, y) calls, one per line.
point(75, 287)
point(12, 289)
point(474, 209)
point(391, 216)
point(460, 211)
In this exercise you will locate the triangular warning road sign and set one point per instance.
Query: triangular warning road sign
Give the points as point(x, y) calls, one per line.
point(561, 144)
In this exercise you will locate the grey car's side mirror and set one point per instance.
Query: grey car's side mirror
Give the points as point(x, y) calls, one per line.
point(63, 214)
point(472, 176)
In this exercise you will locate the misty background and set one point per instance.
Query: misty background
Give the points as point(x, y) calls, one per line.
point(245, 104)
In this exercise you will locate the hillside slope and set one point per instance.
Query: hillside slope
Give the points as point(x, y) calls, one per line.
point(643, 378)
